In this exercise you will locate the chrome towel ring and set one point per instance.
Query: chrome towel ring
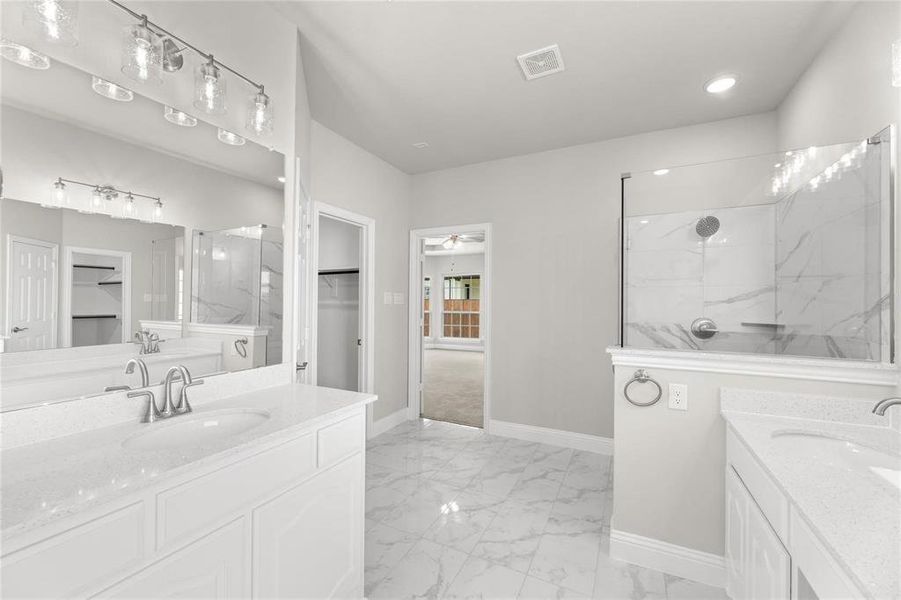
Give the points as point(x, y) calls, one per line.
point(641, 376)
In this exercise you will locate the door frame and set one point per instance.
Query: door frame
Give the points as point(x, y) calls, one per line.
point(10, 240)
point(66, 308)
point(414, 372)
point(366, 364)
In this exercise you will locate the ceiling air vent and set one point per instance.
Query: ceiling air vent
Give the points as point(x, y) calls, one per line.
point(539, 63)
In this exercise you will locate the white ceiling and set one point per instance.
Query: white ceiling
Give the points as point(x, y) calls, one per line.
point(389, 74)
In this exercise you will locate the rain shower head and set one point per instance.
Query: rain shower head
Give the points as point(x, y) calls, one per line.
point(707, 226)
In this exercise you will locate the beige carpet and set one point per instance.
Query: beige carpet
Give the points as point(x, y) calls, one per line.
point(453, 384)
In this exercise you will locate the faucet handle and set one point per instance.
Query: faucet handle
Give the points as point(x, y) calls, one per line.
point(153, 413)
point(183, 405)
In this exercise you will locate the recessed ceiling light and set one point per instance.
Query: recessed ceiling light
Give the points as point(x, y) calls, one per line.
point(232, 139)
point(110, 90)
point(23, 55)
point(661, 171)
point(182, 119)
point(421, 145)
point(720, 84)
point(281, 179)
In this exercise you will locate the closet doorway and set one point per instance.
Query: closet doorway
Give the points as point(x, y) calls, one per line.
point(343, 297)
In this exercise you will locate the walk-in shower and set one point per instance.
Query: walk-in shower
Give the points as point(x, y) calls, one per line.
point(789, 253)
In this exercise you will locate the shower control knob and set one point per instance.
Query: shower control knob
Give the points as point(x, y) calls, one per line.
point(703, 328)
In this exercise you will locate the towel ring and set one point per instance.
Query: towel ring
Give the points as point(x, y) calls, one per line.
point(641, 376)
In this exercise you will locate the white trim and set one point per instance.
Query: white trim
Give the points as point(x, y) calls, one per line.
point(10, 240)
point(66, 292)
point(554, 437)
point(227, 329)
point(458, 347)
point(384, 424)
point(786, 367)
point(366, 370)
point(415, 345)
point(171, 326)
point(668, 558)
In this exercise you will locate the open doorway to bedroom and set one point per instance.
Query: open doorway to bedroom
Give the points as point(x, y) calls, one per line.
point(452, 283)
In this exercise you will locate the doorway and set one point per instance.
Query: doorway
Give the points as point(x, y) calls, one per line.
point(449, 351)
point(32, 285)
point(342, 297)
point(96, 297)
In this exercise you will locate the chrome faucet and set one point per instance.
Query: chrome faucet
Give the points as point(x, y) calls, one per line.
point(883, 405)
point(153, 413)
point(170, 409)
point(173, 374)
point(142, 367)
point(187, 381)
point(150, 342)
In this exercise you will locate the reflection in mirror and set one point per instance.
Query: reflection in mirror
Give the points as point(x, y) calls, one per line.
point(100, 203)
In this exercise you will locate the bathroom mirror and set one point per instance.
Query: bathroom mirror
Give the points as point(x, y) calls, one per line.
point(129, 230)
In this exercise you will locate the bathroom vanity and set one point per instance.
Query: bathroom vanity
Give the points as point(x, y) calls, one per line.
point(812, 498)
point(260, 494)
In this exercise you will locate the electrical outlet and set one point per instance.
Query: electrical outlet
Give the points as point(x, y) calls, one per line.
point(678, 396)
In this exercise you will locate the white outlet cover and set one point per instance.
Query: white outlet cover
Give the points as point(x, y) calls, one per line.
point(678, 396)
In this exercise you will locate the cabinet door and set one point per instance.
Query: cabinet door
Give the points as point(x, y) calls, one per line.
point(769, 564)
point(308, 542)
point(737, 502)
point(216, 566)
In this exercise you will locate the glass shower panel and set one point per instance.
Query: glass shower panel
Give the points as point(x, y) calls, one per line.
point(776, 254)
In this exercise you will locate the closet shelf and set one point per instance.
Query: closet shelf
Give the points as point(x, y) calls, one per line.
point(95, 316)
point(94, 267)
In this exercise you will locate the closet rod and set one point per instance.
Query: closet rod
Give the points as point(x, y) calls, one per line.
point(339, 271)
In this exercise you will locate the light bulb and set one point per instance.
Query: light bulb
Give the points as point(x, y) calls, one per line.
point(232, 139)
point(55, 20)
point(209, 88)
point(259, 114)
point(158, 210)
point(23, 55)
point(110, 90)
point(720, 84)
point(128, 206)
point(59, 195)
point(142, 54)
point(96, 198)
point(179, 118)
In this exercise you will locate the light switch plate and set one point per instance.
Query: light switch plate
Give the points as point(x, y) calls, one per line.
point(389, 297)
point(398, 297)
point(678, 396)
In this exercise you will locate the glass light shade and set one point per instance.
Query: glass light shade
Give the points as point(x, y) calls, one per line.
point(110, 90)
point(23, 55)
point(142, 54)
point(59, 196)
point(232, 139)
point(259, 114)
point(178, 117)
point(55, 20)
point(96, 199)
point(129, 210)
point(157, 213)
point(209, 89)
point(896, 63)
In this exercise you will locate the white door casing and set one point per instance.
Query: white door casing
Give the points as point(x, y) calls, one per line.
point(32, 285)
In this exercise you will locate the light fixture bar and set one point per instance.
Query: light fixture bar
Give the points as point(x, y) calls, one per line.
point(107, 187)
point(206, 55)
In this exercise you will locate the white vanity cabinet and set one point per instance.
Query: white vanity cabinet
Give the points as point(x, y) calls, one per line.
point(284, 519)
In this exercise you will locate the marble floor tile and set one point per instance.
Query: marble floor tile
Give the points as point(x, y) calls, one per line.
point(497, 477)
point(536, 589)
point(685, 589)
point(616, 580)
point(426, 571)
point(567, 560)
point(512, 538)
point(417, 511)
point(578, 510)
point(481, 579)
point(384, 548)
point(461, 469)
point(460, 528)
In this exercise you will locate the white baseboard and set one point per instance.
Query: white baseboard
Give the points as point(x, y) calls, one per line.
point(386, 423)
point(668, 558)
point(460, 347)
point(555, 437)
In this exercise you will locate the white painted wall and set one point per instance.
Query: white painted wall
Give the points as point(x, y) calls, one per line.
point(555, 221)
point(339, 244)
point(346, 176)
point(436, 267)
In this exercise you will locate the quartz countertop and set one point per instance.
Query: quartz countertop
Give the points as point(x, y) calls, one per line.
point(58, 478)
point(855, 513)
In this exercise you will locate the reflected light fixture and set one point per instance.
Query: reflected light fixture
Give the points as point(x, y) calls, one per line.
point(58, 194)
point(259, 113)
point(157, 210)
point(281, 179)
point(128, 206)
point(232, 139)
point(896, 63)
point(721, 84)
point(96, 198)
point(452, 242)
point(23, 55)
point(209, 88)
point(179, 118)
point(55, 20)
point(110, 90)
point(142, 53)
point(661, 171)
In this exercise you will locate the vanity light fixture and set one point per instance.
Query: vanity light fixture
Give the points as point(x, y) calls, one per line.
point(58, 194)
point(209, 88)
point(128, 206)
point(896, 63)
point(157, 211)
point(661, 171)
point(232, 139)
point(720, 84)
point(111, 90)
point(179, 118)
point(96, 198)
point(101, 193)
point(55, 20)
point(259, 113)
point(142, 53)
point(23, 55)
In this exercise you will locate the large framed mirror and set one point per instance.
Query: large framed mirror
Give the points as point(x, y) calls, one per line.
point(129, 230)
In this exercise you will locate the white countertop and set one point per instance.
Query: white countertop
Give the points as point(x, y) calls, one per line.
point(855, 514)
point(57, 478)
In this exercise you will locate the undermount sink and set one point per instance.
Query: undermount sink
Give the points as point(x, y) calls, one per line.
point(842, 454)
point(196, 429)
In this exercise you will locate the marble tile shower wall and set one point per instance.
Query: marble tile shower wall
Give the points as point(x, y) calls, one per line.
point(226, 278)
point(674, 276)
point(271, 293)
point(829, 290)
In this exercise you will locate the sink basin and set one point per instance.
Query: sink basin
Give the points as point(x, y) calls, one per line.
point(196, 429)
point(842, 454)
